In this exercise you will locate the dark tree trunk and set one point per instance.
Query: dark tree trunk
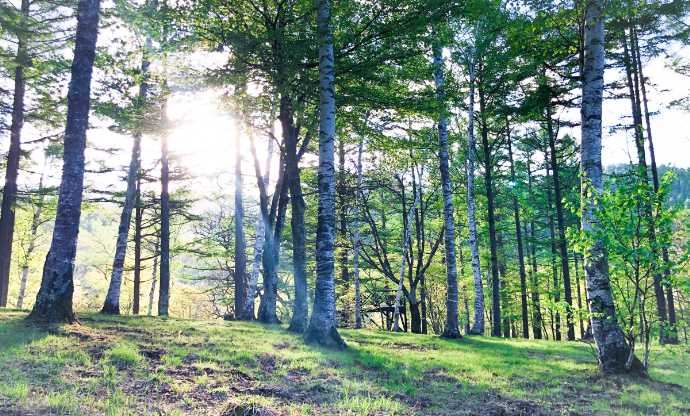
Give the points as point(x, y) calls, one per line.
point(415, 318)
point(491, 217)
point(54, 300)
point(298, 323)
point(9, 193)
point(164, 290)
point(672, 333)
point(240, 275)
point(520, 249)
point(322, 326)
point(579, 296)
point(612, 350)
point(643, 176)
point(341, 190)
point(560, 221)
point(138, 217)
point(556, 290)
point(112, 300)
point(537, 320)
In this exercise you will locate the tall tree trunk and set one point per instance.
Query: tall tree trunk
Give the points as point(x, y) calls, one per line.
point(35, 223)
point(520, 250)
point(356, 245)
point(54, 299)
point(478, 326)
point(138, 218)
point(164, 290)
point(112, 299)
point(260, 227)
point(612, 350)
point(560, 221)
point(672, 333)
point(298, 323)
point(534, 278)
point(643, 177)
point(491, 217)
point(506, 313)
point(322, 326)
point(9, 192)
point(556, 291)
point(452, 329)
point(240, 275)
point(154, 270)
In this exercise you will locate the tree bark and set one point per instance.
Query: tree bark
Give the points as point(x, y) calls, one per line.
point(322, 326)
point(54, 299)
point(612, 350)
point(478, 325)
point(556, 290)
point(9, 192)
point(452, 329)
point(407, 225)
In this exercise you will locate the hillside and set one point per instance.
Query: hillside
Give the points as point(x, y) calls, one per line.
point(123, 366)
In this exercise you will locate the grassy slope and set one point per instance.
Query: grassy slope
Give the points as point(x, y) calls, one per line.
point(118, 366)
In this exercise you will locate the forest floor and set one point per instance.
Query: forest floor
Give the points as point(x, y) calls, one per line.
point(141, 366)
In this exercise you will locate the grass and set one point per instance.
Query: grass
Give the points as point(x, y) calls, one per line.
point(140, 366)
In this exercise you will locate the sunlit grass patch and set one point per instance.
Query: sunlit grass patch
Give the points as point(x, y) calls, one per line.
point(123, 354)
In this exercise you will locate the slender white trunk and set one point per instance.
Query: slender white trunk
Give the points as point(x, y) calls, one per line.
point(154, 278)
point(35, 223)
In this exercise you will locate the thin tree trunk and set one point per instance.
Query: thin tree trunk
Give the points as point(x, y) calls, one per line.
point(164, 291)
point(556, 291)
point(488, 182)
point(579, 296)
point(341, 189)
point(298, 323)
point(138, 218)
point(9, 193)
point(152, 291)
point(520, 250)
point(534, 278)
point(612, 350)
point(35, 223)
point(240, 275)
point(672, 333)
point(407, 226)
point(643, 175)
point(478, 326)
point(356, 245)
point(260, 227)
point(560, 222)
point(452, 329)
point(322, 326)
point(112, 299)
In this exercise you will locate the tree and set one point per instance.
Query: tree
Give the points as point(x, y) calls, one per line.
point(612, 350)
point(54, 299)
point(322, 326)
point(452, 329)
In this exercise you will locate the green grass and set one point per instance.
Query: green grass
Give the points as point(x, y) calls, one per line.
point(141, 366)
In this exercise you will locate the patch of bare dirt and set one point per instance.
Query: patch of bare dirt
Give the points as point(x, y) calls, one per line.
point(236, 408)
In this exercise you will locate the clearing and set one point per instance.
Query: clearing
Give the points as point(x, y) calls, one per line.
point(151, 366)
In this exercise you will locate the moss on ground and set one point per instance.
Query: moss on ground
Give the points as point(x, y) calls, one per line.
point(141, 365)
